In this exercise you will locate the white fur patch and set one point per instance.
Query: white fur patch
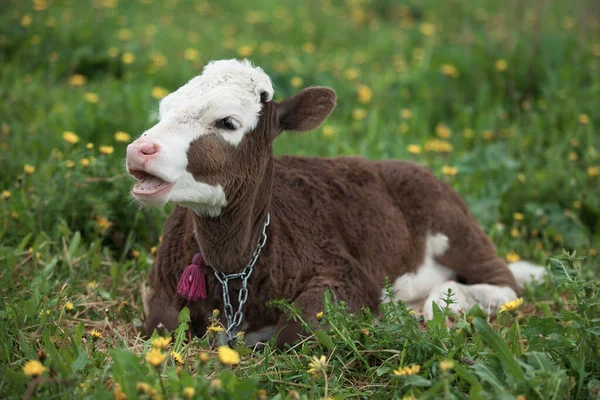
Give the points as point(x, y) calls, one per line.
point(526, 272)
point(252, 338)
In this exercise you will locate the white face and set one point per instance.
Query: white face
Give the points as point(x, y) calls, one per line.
point(226, 101)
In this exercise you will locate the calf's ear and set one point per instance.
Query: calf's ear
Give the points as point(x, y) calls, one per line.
point(306, 110)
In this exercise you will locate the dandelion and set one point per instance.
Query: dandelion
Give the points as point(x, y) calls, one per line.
point(191, 54)
point(69, 164)
point(33, 368)
point(69, 306)
point(118, 393)
point(216, 383)
point(204, 358)
point(176, 356)
point(449, 171)
point(91, 97)
point(5, 194)
point(70, 137)
point(317, 366)
point(161, 342)
point(103, 223)
point(26, 21)
point(414, 149)
point(143, 387)
point(153, 250)
point(77, 80)
point(106, 149)
point(521, 178)
point(406, 113)
point(92, 285)
point(573, 156)
point(14, 215)
point(501, 65)
point(365, 94)
point(427, 29)
point(405, 371)
point(128, 58)
point(514, 232)
point(28, 169)
point(352, 73)
point(124, 34)
point(215, 312)
point(159, 92)
point(214, 328)
point(443, 131)
point(188, 392)
point(328, 131)
point(155, 357)
point(593, 171)
point(95, 334)
point(438, 146)
point(446, 365)
point(319, 315)
point(121, 136)
point(518, 216)
point(228, 356)
point(85, 162)
point(365, 332)
point(245, 51)
point(296, 82)
point(261, 394)
point(159, 60)
point(449, 70)
point(487, 134)
point(512, 306)
point(522, 397)
point(89, 146)
point(359, 114)
point(113, 52)
point(584, 119)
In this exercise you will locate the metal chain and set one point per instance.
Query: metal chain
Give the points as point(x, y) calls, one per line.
point(234, 320)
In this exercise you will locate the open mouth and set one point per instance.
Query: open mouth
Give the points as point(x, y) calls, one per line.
point(148, 184)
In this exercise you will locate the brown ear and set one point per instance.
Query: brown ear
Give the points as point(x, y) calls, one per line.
point(306, 109)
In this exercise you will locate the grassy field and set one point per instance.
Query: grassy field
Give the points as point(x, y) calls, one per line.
point(499, 98)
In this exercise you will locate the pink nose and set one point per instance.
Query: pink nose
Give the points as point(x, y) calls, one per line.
point(148, 149)
point(141, 151)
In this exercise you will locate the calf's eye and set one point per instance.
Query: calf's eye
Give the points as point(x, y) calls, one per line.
point(228, 124)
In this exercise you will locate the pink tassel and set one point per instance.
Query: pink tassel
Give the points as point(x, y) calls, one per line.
point(192, 285)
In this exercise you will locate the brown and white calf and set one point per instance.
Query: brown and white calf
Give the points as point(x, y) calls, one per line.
point(344, 224)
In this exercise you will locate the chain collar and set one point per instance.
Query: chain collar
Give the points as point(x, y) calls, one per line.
point(235, 319)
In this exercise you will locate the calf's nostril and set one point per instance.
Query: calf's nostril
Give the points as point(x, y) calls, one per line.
point(148, 149)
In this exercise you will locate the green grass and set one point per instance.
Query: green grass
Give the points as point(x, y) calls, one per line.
point(513, 87)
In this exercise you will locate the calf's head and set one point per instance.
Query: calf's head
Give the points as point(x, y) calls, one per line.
point(215, 133)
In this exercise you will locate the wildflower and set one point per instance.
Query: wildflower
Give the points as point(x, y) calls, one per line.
point(593, 171)
point(70, 137)
point(215, 312)
point(501, 65)
point(214, 328)
point(118, 393)
point(514, 232)
point(128, 58)
point(240, 335)
point(352, 73)
point(443, 131)
point(577, 204)
point(14, 215)
point(427, 29)
point(85, 162)
point(77, 80)
point(406, 113)
point(176, 356)
point(511, 306)
point(5, 194)
point(153, 250)
point(91, 97)
point(319, 315)
point(414, 149)
point(95, 334)
point(216, 383)
point(365, 94)
point(521, 178)
point(113, 52)
point(188, 392)
point(124, 34)
point(449, 70)
point(317, 366)
point(106, 149)
point(161, 342)
point(155, 357)
point(28, 169)
point(446, 365)
point(573, 156)
point(69, 306)
point(121, 136)
point(245, 51)
point(359, 114)
point(191, 54)
point(228, 356)
point(204, 358)
point(145, 388)
point(296, 82)
point(26, 21)
point(522, 397)
point(328, 131)
point(33, 368)
point(487, 134)
point(449, 171)
point(584, 119)
point(92, 285)
point(135, 253)
point(518, 216)
point(159, 60)
point(159, 92)
point(261, 394)
point(89, 146)
point(412, 370)
point(69, 164)
point(438, 146)
point(365, 332)
point(103, 223)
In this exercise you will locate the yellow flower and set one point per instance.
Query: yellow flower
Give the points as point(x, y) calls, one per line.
point(514, 232)
point(446, 365)
point(521, 178)
point(153, 250)
point(352, 73)
point(191, 54)
point(77, 80)
point(214, 328)
point(70, 137)
point(92, 285)
point(26, 20)
point(412, 370)
point(406, 113)
point(121, 136)
point(584, 119)
point(317, 366)
point(414, 149)
point(124, 34)
point(89, 146)
point(216, 383)
point(106, 149)
point(521, 397)
point(228, 356)
point(69, 164)
point(365, 94)
point(438, 146)
point(128, 58)
point(296, 82)
point(118, 394)
point(359, 114)
point(91, 97)
point(33, 368)
point(103, 223)
point(176, 356)
point(449, 70)
point(159, 60)
point(143, 387)
point(69, 306)
point(113, 52)
point(501, 65)
point(159, 92)
point(319, 315)
point(5, 194)
point(28, 169)
point(427, 29)
point(95, 334)
point(204, 358)
point(188, 392)
point(487, 134)
point(245, 51)
point(161, 342)
point(518, 216)
point(449, 171)
point(328, 131)
point(365, 331)
point(155, 357)
point(443, 131)
point(573, 156)
point(593, 171)
point(216, 311)
point(135, 253)
point(512, 305)
point(85, 162)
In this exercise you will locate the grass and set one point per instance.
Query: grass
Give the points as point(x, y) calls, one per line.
point(498, 98)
